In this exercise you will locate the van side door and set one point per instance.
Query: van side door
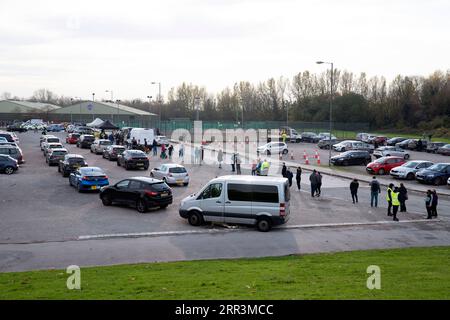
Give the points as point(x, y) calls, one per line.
point(238, 204)
point(212, 202)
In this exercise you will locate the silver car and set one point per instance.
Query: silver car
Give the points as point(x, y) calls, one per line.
point(391, 151)
point(98, 146)
point(52, 145)
point(409, 169)
point(171, 173)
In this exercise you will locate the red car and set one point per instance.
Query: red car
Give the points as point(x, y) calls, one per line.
point(384, 165)
point(72, 138)
point(379, 140)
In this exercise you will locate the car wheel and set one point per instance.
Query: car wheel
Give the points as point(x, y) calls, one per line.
point(146, 168)
point(263, 224)
point(195, 219)
point(410, 176)
point(65, 174)
point(79, 187)
point(127, 167)
point(268, 152)
point(9, 170)
point(164, 206)
point(92, 151)
point(140, 206)
point(118, 163)
point(285, 151)
point(381, 171)
point(106, 200)
point(59, 169)
point(437, 181)
point(186, 184)
point(406, 156)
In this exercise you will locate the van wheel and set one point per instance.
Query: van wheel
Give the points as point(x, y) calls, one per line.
point(264, 224)
point(195, 219)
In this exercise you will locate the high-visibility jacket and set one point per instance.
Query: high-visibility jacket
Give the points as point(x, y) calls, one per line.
point(387, 194)
point(265, 165)
point(395, 201)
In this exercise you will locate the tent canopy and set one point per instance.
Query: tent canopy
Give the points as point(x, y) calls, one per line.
point(95, 123)
point(107, 125)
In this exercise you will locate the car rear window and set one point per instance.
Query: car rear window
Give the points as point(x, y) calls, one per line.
point(118, 149)
point(89, 138)
point(105, 143)
point(52, 140)
point(59, 153)
point(76, 160)
point(137, 154)
point(177, 170)
point(158, 187)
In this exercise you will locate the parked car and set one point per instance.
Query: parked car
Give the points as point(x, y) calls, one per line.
point(111, 152)
point(171, 173)
point(259, 201)
point(46, 139)
point(8, 164)
point(133, 159)
point(413, 144)
point(52, 145)
point(436, 174)
point(352, 158)
point(55, 128)
point(369, 138)
point(72, 138)
point(16, 127)
point(403, 144)
point(379, 140)
point(160, 140)
point(55, 155)
point(85, 141)
point(88, 178)
point(326, 135)
point(362, 136)
point(273, 147)
point(140, 192)
point(348, 145)
point(432, 147)
point(71, 163)
point(384, 165)
point(409, 169)
point(13, 152)
point(84, 130)
point(448, 182)
point(98, 146)
point(309, 137)
point(393, 141)
point(325, 143)
point(445, 150)
point(391, 151)
point(8, 136)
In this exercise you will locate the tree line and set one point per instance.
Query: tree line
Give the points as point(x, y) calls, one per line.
point(416, 102)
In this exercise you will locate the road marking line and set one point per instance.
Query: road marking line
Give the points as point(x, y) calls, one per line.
point(211, 231)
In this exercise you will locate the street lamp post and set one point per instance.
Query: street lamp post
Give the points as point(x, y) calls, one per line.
point(331, 106)
point(159, 100)
point(149, 108)
point(112, 95)
point(197, 107)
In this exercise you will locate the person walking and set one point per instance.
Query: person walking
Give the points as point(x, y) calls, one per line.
point(170, 149)
point(163, 151)
point(155, 147)
point(289, 176)
point(202, 154)
point(254, 164)
point(354, 185)
point(395, 202)
point(402, 197)
point(145, 145)
point(233, 162)
point(196, 155)
point(375, 190)
point(434, 203)
point(319, 184)
point(220, 158)
point(181, 153)
point(298, 177)
point(238, 164)
point(313, 180)
point(389, 199)
point(284, 170)
point(428, 203)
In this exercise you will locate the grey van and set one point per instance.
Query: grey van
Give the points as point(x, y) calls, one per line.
point(251, 200)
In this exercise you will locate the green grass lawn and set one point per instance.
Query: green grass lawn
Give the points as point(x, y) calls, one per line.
point(415, 273)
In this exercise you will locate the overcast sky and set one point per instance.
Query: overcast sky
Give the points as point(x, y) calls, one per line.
point(79, 47)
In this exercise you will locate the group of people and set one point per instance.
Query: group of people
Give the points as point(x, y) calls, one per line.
point(166, 152)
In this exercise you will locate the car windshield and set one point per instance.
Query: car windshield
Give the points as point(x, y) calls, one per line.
point(177, 170)
point(89, 171)
point(411, 164)
point(438, 167)
point(447, 146)
point(118, 149)
point(381, 160)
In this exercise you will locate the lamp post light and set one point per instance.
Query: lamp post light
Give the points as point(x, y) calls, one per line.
point(112, 94)
point(159, 100)
point(331, 106)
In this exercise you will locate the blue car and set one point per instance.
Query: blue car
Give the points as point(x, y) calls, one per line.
point(8, 165)
point(436, 174)
point(55, 128)
point(88, 179)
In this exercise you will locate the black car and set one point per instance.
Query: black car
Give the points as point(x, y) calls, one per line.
point(71, 163)
point(85, 141)
point(16, 127)
point(133, 159)
point(140, 192)
point(309, 137)
point(352, 158)
point(8, 165)
point(111, 152)
point(393, 141)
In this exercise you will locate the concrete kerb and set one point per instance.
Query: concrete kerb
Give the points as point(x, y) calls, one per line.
point(328, 172)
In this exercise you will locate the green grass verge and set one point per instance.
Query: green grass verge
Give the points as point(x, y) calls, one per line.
point(414, 273)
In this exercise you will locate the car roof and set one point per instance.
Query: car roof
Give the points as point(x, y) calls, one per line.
point(391, 157)
point(59, 149)
point(91, 169)
point(249, 179)
point(172, 165)
point(73, 155)
point(54, 143)
point(9, 146)
point(117, 146)
point(144, 179)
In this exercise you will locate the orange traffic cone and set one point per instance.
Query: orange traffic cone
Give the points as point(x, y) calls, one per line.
point(306, 161)
point(316, 155)
point(318, 160)
point(304, 154)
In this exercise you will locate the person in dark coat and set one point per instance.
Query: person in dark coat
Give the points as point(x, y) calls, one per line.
point(402, 197)
point(289, 176)
point(313, 180)
point(170, 151)
point(298, 177)
point(155, 147)
point(284, 170)
point(428, 203)
point(434, 204)
point(354, 185)
point(319, 183)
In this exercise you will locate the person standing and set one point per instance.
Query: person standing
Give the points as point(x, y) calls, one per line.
point(220, 158)
point(375, 190)
point(170, 151)
point(254, 164)
point(238, 164)
point(145, 145)
point(202, 154)
point(284, 170)
point(289, 176)
point(155, 147)
point(428, 203)
point(319, 184)
point(233, 162)
point(395, 202)
point(313, 180)
point(402, 197)
point(434, 203)
point(389, 199)
point(298, 177)
point(196, 155)
point(163, 151)
point(181, 153)
point(354, 185)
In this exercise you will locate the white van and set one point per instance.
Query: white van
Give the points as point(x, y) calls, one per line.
point(140, 134)
point(252, 200)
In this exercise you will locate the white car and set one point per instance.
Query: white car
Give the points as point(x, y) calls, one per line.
point(160, 140)
point(409, 169)
point(273, 147)
point(326, 135)
point(100, 145)
point(171, 173)
point(391, 151)
point(347, 145)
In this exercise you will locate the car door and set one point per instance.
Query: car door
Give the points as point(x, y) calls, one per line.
point(74, 177)
point(120, 191)
point(133, 192)
point(238, 203)
point(212, 202)
point(3, 161)
point(161, 173)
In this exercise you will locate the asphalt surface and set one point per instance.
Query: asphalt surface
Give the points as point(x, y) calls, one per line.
point(42, 219)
